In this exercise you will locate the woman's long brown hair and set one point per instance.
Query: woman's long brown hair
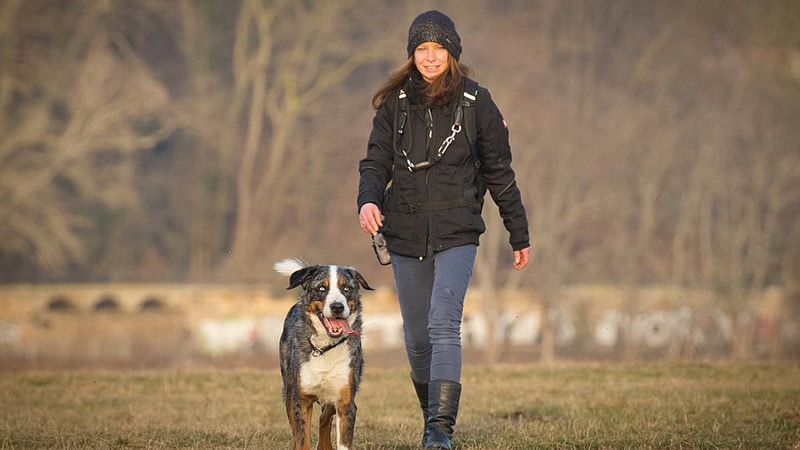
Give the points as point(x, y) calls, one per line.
point(437, 93)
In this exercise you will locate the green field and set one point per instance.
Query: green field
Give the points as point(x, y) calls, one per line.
point(575, 405)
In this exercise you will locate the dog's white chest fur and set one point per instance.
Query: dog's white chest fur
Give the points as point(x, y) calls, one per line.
point(326, 375)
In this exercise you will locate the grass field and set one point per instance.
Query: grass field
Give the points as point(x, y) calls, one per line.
point(575, 405)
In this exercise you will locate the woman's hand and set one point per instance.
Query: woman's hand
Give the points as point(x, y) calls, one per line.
point(521, 258)
point(370, 218)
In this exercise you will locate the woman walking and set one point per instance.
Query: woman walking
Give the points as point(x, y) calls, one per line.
point(430, 159)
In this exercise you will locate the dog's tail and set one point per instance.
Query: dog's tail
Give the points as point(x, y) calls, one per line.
point(289, 266)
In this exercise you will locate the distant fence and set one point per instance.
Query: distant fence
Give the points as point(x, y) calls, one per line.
point(167, 324)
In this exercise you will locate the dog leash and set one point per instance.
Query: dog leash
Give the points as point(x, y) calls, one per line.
point(316, 352)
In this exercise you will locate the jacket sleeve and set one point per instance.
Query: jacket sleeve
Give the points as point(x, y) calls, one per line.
point(494, 151)
point(376, 168)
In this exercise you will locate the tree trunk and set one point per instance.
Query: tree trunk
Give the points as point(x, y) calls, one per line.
point(548, 340)
point(743, 327)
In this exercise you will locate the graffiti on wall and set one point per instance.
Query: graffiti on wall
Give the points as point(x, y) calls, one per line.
point(96, 323)
point(656, 329)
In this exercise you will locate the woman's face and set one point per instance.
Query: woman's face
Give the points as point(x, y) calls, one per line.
point(431, 60)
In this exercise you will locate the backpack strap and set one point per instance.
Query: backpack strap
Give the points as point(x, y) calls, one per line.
point(470, 123)
point(468, 100)
point(471, 129)
point(400, 117)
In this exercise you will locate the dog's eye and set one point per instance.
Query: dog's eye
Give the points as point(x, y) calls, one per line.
point(322, 289)
point(347, 289)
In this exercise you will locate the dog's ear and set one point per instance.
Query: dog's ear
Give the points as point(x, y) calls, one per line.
point(300, 276)
point(361, 280)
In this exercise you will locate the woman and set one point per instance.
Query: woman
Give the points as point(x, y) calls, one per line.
point(430, 214)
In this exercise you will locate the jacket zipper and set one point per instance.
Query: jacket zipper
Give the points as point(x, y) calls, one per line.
point(428, 144)
point(428, 187)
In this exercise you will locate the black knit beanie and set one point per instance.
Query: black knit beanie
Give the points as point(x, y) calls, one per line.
point(433, 26)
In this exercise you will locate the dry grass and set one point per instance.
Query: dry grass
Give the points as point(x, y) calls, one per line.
point(503, 407)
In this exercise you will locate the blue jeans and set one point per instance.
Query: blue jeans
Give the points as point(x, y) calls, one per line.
point(431, 294)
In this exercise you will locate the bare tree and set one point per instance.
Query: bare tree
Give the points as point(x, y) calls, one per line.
point(494, 279)
point(564, 175)
point(201, 205)
point(746, 200)
point(287, 57)
point(79, 110)
point(650, 153)
point(741, 197)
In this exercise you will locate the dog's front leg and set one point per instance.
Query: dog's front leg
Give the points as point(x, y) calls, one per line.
point(345, 424)
point(325, 421)
point(299, 410)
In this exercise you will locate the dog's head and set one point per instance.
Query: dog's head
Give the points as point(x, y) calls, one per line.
point(331, 293)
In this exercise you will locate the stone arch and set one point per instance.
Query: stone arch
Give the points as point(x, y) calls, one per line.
point(152, 304)
point(61, 304)
point(107, 303)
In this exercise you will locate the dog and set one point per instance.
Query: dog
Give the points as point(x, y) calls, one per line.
point(320, 351)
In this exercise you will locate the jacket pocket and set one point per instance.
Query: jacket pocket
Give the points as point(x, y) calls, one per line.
point(474, 200)
point(398, 225)
point(458, 221)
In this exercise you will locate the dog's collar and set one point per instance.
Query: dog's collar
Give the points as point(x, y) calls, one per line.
point(316, 352)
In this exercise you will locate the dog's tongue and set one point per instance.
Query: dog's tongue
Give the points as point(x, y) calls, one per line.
point(338, 326)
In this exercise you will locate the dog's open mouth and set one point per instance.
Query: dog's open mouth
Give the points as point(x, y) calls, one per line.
point(335, 327)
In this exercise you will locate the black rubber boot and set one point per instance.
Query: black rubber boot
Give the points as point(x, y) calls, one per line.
point(422, 395)
point(443, 397)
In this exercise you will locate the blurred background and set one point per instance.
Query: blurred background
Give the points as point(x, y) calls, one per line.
point(157, 157)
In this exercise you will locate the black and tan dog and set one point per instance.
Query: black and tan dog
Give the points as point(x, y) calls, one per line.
point(320, 351)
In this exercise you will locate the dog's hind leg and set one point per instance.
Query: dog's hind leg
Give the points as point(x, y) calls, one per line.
point(325, 422)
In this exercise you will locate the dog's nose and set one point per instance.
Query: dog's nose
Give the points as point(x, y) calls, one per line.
point(337, 308)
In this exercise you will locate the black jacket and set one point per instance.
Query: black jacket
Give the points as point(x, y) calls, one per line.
point(436, 209)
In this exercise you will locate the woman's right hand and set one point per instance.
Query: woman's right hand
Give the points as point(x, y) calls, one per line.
point(370, 218)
